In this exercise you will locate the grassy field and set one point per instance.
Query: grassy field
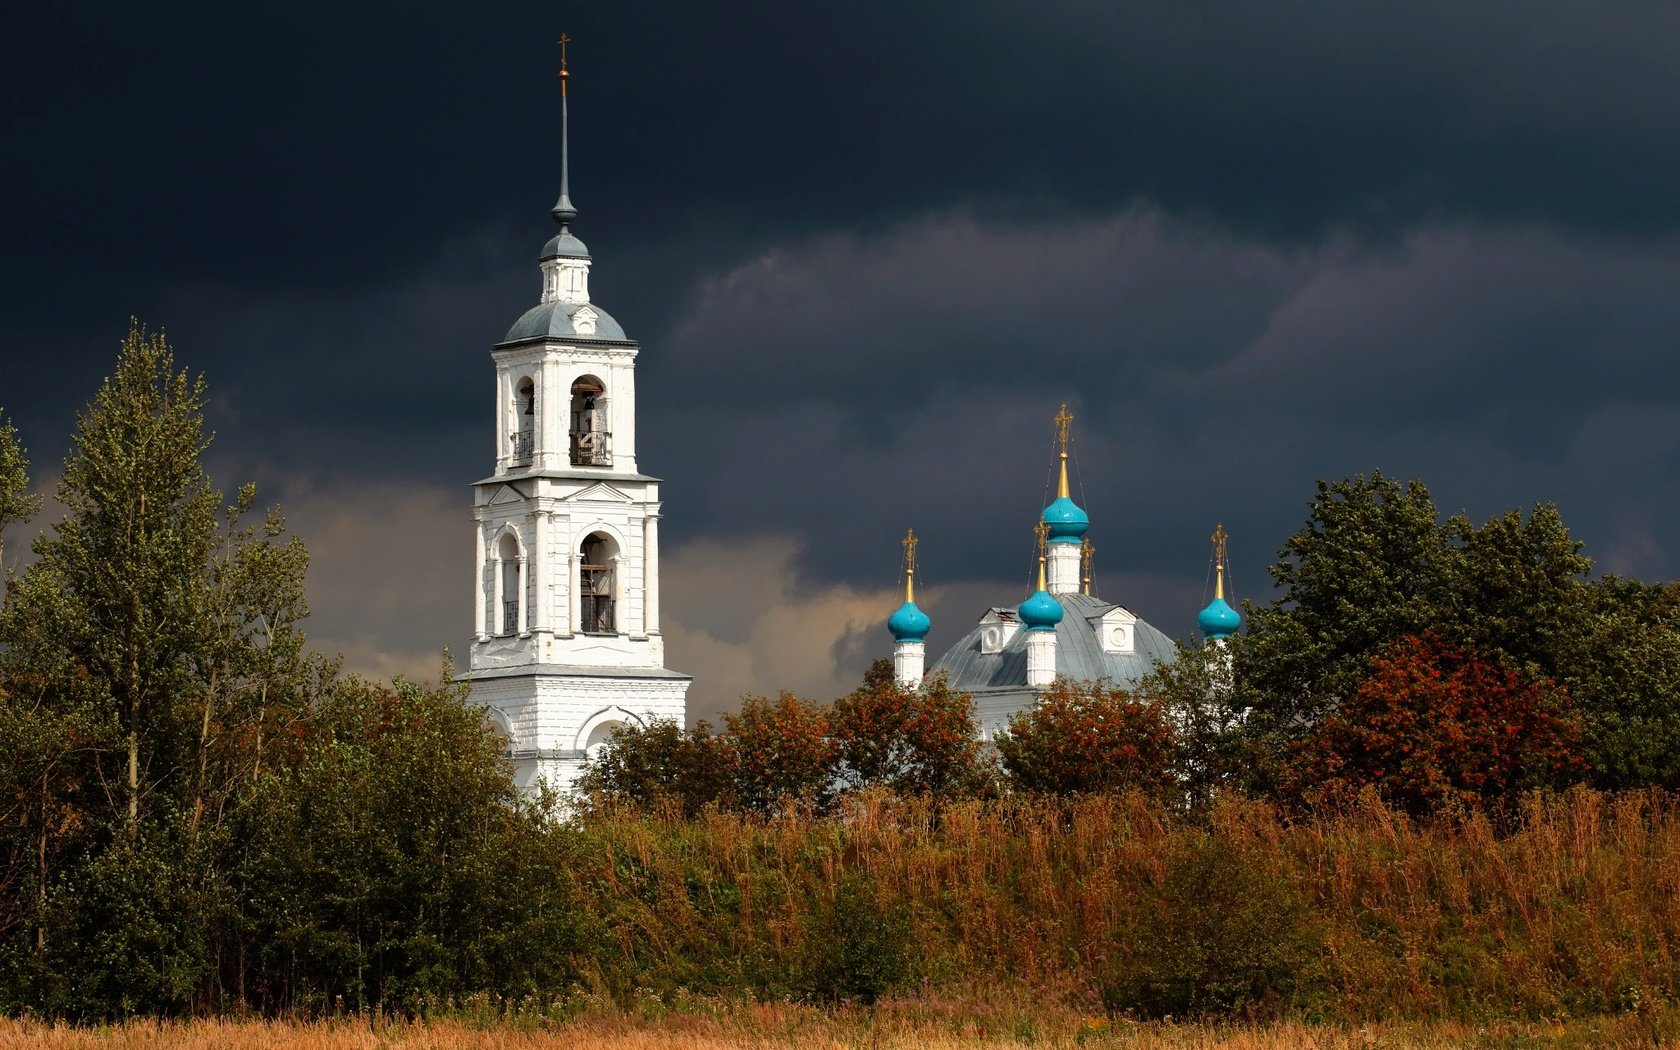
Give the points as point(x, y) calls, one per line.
point(932, 1022)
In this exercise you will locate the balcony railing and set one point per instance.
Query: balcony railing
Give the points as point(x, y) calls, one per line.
point(597, 614)
point(591, 448)
point(510, 617)
point(524, 444)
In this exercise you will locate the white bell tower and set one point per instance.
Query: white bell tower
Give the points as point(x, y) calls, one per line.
point(566, 640)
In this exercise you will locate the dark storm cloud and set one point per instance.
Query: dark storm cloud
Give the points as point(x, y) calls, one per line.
point(868, 249)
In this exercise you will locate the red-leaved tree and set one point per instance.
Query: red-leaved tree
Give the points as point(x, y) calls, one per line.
point(1084, 737)
point(912, 741)
point(1433, 723)
point(782, 752)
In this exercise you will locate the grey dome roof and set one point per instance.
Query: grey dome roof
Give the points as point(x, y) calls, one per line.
point(564, 243)
point(554, 321)
point(1079, 653)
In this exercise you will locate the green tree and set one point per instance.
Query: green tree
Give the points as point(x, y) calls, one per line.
point(648, 766)
point(1083, 737)
point(16, 504)
point(1364, 570)
point(1374, 565)
point(1622, 664)
point(1213, 752)
point(390, 860)
point(1514, 587)
point(913, 741)
point(126, 565)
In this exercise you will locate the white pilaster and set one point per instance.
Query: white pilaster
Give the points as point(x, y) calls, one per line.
point(479, 597)
point(650, 572)
point(538, 562)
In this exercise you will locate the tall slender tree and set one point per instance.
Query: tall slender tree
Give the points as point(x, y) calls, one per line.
point(17, 505)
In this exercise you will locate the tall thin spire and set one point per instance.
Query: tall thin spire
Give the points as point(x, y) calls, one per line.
point(1041, 530)
point(910, 542)
point(1219, 537)
point(1063, 418)
point(564, 213)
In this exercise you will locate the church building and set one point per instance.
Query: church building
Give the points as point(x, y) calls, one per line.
point(566, 644)
point(1062, 629)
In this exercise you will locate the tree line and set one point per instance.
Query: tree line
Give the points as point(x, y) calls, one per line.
point(1430, 662)
point(198, 814)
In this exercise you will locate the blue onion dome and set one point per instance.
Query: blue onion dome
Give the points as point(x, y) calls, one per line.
point(1067, 522)
point(909, 624)
point(1040, 612)
point(1218, 620)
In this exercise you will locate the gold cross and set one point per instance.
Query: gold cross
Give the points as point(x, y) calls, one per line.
point(1086, 550)
point(564, 75)
point(1063, 418)
point(909, 544)
point(1219, 537)
point(1043, 531)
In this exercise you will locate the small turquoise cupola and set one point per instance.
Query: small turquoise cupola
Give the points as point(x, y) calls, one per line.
point(908, 623)
point(1040, 612)
point(1218, 621)
point(1066, 519)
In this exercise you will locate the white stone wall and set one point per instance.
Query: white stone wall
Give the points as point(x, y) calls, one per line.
point(909, 660)
point(1062, 563)
point(549, 718)
point(1041, 658)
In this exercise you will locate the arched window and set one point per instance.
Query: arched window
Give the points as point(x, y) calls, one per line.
point(591, 440)
point(524, 421)
point(598, 738)
point(510, 588)
point(597, 613)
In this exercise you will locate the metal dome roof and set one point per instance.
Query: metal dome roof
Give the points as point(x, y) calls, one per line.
point(1079, 652)
point(555, 321)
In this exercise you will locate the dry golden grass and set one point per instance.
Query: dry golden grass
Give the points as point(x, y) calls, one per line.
point(903, 1024)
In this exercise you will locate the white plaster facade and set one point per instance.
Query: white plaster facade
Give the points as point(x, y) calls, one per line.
point(566, 639)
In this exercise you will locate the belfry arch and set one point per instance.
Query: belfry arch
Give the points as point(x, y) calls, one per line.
point(597, 584)
point(591, 435)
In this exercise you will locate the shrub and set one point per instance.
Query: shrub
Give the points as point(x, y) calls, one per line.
point(646, 766)
point(1084, 736)
point(1433, 723)
point(782, 752)
point(912, 741)
point(1218, 933)
point(859, 948)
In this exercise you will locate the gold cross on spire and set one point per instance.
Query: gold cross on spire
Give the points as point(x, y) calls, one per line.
point(565, 75)
point(1042, 529)
point(1087, 550)
point(909, 543)
point(1063, 418)
point(1219, 539)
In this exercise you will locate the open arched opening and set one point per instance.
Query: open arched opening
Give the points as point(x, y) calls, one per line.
point(591, 439)
point(500, 730)
point(597, 570)
point(510, 590)
point(599, 736)
point(524, 421)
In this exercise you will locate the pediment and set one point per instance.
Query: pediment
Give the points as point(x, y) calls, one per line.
point(504, 495)
point(601, 492)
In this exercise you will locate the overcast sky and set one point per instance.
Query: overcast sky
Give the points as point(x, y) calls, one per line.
point(867, 250)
